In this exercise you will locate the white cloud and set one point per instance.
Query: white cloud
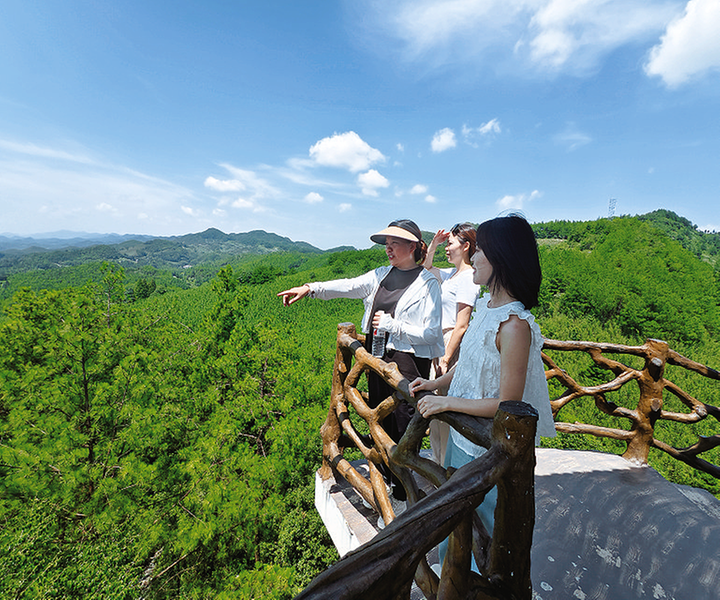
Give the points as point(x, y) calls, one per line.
point(575, 35)
point(518, 201)
point(48, 188)
point(418, 188)
point(430, 199)
point(224, 185)
point(486, 130)
point(346, 151)
point(345, 207)
point(572, 138)
point(298, 171)
point(690, 46)
point(191, 212)
point(443, 140)
point(313, 198)
point(242, 203)
point(532, 36)
point(36, 151)
point(371, 181)
point(430, 25)
point(401, 148)
point(492, 126)
point(257, 186)
point(256, 189)
point(247, 204)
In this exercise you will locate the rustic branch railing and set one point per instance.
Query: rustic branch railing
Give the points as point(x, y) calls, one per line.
point(652, 383)
point(384, 568)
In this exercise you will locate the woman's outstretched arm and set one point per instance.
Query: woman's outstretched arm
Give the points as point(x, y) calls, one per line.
point(294, 294)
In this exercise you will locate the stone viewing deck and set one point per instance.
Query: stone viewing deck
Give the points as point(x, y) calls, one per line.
point(604, 530)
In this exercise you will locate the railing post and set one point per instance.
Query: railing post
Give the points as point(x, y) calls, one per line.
point(331, 429)
point(650, 403)
point(514, 429)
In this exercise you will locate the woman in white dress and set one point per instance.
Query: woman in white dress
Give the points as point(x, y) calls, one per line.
point(500, 352)
point(459, 293)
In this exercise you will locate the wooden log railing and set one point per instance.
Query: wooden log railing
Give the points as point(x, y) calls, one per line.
point(385, 567)
point(652, 383)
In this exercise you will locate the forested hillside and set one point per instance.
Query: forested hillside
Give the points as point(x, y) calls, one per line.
point(163, 445)
point(704, 245)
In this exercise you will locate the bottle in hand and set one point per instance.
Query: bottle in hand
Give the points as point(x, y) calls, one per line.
point(378, 343)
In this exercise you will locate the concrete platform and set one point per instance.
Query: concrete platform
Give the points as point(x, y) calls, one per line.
point(605, 530)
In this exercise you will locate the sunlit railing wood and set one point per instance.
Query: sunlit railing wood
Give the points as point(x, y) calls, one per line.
point(652, 383)
point(386, 566)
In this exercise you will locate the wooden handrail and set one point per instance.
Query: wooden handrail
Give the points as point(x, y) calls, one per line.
point(386, 566)
point(652, 383)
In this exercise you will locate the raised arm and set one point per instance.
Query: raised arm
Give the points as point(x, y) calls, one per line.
point(439, 238)
point(462, 320)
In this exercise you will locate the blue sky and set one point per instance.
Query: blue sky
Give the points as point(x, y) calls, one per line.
point(323, 121)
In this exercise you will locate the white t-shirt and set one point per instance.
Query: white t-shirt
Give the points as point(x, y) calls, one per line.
point(459, 289)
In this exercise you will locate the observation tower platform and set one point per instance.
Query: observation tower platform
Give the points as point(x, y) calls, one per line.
point(605, 529)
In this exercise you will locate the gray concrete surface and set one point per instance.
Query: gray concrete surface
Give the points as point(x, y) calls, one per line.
point(605, 530)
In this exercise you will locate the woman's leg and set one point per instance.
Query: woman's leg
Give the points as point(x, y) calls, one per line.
point(396, 423)
point(456, 457)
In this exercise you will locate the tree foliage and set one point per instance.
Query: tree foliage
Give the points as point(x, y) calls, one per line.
point(645, 283)
point(191, 444)
point(163, 443)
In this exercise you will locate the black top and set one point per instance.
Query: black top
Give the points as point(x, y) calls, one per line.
point(392, 287)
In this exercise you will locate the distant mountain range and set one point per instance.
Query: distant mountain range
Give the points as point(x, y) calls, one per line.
point(64, 239)
point(64, 249)
point(19, 254)
point(70, 239)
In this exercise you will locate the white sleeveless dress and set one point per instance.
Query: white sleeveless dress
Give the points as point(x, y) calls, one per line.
point(477, 375)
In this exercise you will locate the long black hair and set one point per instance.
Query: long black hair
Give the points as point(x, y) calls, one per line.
point(510, 246)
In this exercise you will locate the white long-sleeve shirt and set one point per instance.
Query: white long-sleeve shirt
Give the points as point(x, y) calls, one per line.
point(417, 324)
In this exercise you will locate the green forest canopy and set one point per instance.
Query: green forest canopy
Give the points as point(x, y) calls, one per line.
point(160, 432)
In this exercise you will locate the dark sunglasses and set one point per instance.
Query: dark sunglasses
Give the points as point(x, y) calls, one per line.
point(460, 228)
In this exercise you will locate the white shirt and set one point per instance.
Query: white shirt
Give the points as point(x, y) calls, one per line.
point(416, 327)
point(457, 288)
